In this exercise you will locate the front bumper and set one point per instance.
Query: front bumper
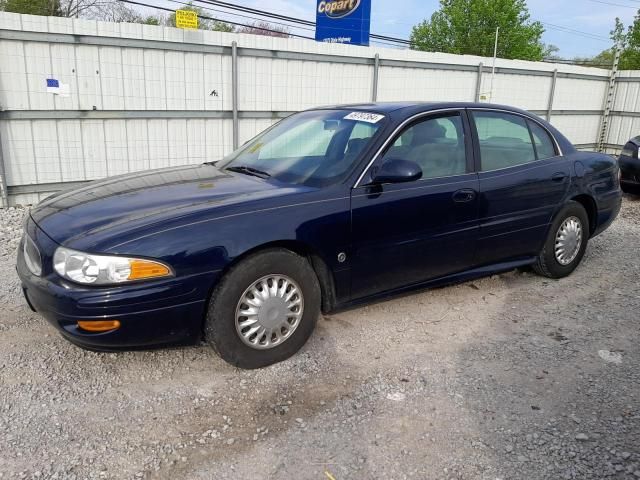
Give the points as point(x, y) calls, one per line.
point(154, 313)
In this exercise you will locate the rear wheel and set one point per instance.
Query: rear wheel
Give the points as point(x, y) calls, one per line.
point(264, 309)
point(566, 242)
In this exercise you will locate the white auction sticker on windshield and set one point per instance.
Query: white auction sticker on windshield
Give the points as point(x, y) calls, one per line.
point(364, 117)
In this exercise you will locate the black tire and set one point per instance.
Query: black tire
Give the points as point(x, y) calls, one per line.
point(220, 327)
point(547, 265)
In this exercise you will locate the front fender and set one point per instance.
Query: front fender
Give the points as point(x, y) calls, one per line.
point(209, 244)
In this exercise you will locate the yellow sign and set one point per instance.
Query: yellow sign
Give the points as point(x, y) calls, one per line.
point(186, 19)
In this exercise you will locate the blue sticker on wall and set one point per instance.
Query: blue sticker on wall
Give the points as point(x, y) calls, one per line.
point(343, 21)
point(53, 83)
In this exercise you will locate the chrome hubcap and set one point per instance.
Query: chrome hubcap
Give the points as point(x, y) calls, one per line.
point(269, 311)
point(568, 240)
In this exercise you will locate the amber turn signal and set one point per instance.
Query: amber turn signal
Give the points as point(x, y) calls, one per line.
point(141, 269)
point(98, 325)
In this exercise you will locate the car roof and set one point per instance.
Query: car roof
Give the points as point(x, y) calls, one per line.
point(402, 110)
point(388, 107)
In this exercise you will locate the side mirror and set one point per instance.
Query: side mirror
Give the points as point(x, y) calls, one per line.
point(396, 170)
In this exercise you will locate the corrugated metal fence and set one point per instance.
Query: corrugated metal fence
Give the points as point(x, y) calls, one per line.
point(134, 97)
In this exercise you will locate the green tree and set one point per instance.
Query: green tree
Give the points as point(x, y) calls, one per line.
point(120, 13)
point(602, 60)
point(109, 10)
point(203, 23)
point(550, 52)
point(32, 7)
point(265, 28)
point(150, 20)
point(468, 27)
point(628, 40)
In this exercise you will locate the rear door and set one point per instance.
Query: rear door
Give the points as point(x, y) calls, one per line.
point(407, 233)
point(523, 179)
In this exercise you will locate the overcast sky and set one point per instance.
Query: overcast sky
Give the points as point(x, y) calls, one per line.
point(396, 17)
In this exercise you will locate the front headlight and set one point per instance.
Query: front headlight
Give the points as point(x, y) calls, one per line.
point(92, 269)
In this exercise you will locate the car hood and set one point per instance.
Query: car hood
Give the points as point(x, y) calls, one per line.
point(120, 205)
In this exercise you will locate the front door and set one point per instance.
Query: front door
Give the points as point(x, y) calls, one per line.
point(408, 233)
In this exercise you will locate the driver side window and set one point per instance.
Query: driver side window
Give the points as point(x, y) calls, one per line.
point(436, 144)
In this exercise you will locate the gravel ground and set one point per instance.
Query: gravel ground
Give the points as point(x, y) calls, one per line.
point(513, 376)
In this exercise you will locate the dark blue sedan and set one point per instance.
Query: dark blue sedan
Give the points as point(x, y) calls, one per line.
point(629, 162)
point(328, 208)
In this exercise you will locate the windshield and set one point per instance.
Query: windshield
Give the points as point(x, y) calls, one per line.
point(315, 148)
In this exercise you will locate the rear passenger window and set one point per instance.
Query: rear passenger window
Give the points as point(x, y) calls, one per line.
point(504, 140)
point(543, 142)
point(435, 144)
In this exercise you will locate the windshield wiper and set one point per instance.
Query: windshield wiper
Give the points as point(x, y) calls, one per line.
point(249, 171)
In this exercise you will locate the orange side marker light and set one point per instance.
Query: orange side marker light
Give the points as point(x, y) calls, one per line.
point(147, 269)
point(96, 326)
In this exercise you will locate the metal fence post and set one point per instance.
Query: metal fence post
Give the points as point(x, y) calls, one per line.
point(234, 93)
point(608, 103)
point(376, 70)
point(3, 178)
point(479, 81)
point(552, 94)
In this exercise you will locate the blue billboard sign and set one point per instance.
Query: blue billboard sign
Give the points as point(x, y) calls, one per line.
point(343, 21)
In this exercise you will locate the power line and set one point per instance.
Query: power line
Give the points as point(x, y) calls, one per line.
point(613, 4)
point(265, 13)
point(244, 16)
point(572, 31)
point(388, 41)
point(373, 35)
point(206, 17)
point(307, 23)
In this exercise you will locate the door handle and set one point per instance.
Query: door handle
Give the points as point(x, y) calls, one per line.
point(558, 177)
point(464, 195)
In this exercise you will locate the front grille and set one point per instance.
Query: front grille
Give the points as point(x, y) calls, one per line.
point(32, 256)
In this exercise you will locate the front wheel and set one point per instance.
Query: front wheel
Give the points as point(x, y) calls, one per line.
point(566, 242)
point(264, 309)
